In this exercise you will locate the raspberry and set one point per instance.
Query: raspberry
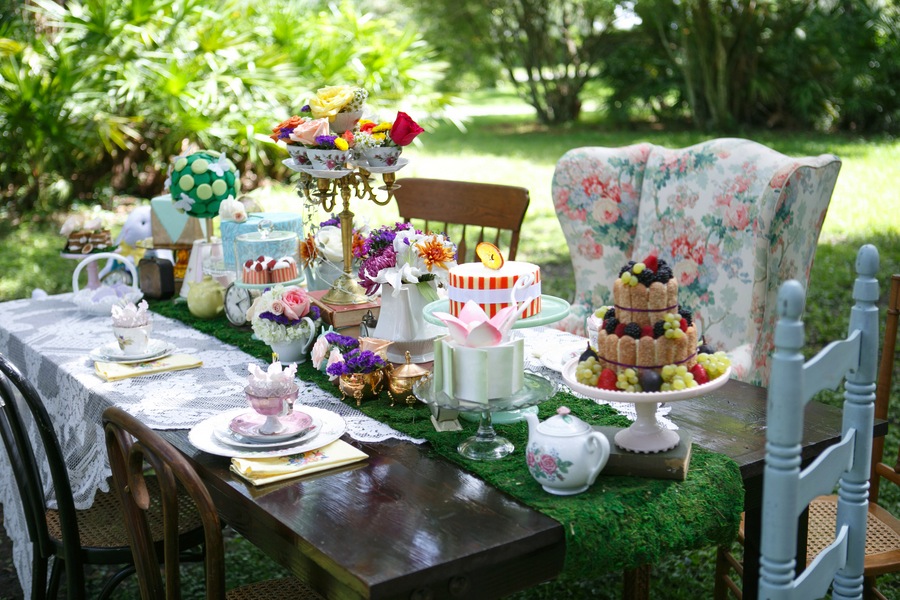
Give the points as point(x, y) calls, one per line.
point(646, 331)
point(659, 329)
point(632, 329)
point(683, 324)
point(626, 268)
point(607, 380)
point(687, 314)
point(271, 264)
point(610, 324)
point(700, 374)
point(646, 277)
point(620, 329)
point(651, 262)
point(260, 258)
point(249, 263)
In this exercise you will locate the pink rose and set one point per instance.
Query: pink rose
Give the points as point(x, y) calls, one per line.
point(306, 133)
point(737, 217)
point(404, 130)
point(529, 458)
point(277, 307)
point(548, 464)
point(296, 303)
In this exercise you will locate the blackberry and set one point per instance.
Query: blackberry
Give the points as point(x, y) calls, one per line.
point(687, 315)
point(610, 312)
point(610, 324)
point(646, 277)
point(634, 330)
point(627, 267)
point(663, 273)
point(659, 329)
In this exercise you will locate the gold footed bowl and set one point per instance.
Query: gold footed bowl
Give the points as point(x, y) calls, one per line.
point(362, 386)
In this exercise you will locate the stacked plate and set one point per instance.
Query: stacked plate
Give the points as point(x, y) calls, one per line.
point(111, 352)
point(235, 433)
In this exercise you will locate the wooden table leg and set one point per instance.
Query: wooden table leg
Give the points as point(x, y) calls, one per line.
point(636, 583)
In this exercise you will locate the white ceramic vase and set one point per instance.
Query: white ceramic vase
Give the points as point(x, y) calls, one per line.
point(328, 160)
point(401, 320)
point(383, 156)
point(296, 351)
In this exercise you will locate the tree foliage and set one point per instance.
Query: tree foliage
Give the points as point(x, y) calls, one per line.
point(96, 95)
point(549, 50)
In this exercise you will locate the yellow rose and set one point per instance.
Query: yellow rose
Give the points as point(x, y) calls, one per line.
point(341, 144)
point(328, 101)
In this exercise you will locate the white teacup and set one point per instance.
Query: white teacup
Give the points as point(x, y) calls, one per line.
point(133, 341)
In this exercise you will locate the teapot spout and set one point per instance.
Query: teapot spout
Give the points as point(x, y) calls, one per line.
point(532, 421)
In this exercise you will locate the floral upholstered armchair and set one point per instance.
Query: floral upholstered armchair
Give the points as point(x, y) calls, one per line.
point(733, 218)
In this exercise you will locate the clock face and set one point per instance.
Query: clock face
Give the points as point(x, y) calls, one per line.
point(237, 301)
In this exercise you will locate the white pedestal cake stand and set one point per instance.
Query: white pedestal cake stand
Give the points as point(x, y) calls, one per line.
point(645, 435)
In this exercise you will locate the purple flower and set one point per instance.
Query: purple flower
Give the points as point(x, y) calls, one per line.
point(371, 266)
point(314, 313)
point(357, 361)
point(343, 342)
point(305, 109)
point(332, 222)
point(280, 319)
point(326, 141)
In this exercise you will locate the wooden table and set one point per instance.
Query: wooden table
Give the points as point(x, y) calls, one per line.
point(405, 525)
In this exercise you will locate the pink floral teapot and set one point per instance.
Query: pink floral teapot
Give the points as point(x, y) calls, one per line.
point(564, 453)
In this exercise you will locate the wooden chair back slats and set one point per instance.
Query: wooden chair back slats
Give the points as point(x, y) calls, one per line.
point(14, 386)
point(883, 392)
point(132, 446)
point(459, 204)
point(787, 489)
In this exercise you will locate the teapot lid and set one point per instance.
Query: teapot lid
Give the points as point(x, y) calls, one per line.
point(564, 424)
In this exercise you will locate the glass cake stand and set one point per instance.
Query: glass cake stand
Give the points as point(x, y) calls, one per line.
point(486, 444)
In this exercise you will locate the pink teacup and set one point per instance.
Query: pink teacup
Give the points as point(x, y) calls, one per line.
point(273, 407)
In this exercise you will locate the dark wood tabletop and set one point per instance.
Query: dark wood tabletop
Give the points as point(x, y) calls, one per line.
point(405, 524)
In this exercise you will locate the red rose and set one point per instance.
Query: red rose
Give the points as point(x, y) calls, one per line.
point(404, 130)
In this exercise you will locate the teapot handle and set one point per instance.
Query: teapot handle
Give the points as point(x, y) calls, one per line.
point(312, 335)
point(597, 443)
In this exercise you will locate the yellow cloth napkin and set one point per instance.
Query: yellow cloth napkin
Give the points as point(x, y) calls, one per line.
point(259, 471)
point(110, 371)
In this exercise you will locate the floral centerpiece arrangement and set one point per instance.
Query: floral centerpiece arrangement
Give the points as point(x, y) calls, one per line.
point(399, 254)
point(328, 130)
point(361, 373)
point(286, 319)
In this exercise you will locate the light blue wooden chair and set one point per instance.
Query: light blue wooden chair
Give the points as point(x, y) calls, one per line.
point(788, 490)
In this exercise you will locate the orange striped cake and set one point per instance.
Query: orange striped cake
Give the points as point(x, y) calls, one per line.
point(491, 288)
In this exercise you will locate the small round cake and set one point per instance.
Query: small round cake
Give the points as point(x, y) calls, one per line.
point(257, 271)
point(284, 269)
point(491, 288)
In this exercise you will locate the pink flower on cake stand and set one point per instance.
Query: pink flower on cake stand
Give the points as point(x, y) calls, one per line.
point(475, 329)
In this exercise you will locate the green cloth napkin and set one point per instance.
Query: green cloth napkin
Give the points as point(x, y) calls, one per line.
point(619, 523)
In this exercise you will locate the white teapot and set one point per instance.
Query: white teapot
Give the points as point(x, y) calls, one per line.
point(564, 453)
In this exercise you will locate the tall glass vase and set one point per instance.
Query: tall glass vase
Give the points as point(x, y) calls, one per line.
point(401, 320)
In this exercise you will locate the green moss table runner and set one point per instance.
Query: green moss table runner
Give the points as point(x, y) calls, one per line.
point(619, 523)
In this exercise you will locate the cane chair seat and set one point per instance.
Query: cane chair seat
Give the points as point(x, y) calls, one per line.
point(101, 525)
point(273, 589)
point(882, 538)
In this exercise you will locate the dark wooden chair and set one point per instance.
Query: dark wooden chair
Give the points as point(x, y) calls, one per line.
point(94, 536)
point(452, 207)
point(883, 529)
point(132, 446)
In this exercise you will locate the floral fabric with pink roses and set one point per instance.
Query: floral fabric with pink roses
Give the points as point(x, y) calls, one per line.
point(733, 218)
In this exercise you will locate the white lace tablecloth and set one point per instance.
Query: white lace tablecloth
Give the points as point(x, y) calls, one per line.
point(49, 340)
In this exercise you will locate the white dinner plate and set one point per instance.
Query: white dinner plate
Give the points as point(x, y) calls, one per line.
point(111, 352)
point(203, 435)
point(233, 439)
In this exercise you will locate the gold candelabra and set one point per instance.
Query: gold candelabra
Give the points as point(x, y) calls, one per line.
point(324, 191)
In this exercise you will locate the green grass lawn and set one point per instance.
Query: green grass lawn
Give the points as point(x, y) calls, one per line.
point(507, 147)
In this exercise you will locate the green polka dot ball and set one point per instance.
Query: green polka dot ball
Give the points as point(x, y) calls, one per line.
point(206, 178)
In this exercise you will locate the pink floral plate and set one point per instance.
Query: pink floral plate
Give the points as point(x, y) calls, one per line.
point(247, 426)
point(226, 435)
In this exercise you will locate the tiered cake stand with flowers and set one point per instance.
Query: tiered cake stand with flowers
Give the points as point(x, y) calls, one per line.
point(337, 154)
